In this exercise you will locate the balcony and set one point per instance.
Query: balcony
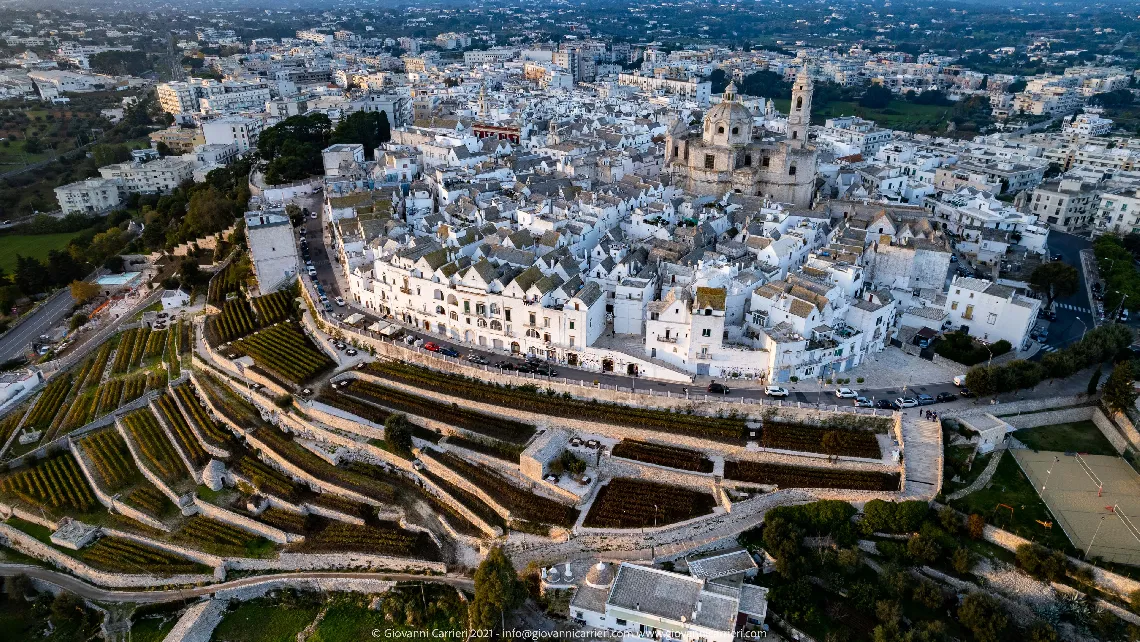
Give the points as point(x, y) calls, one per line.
point(406, 290)
point(666, 339)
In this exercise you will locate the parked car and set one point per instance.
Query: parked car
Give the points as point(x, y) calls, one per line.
point(775, 391)
point(448, 352)
point(313, 216)
point(312, 271)
point(845, 393)
point(965, 393)
point(863, 402)
point(506, 365)
point(719, 388)
point(884, 404)
point(925, 400)
point(339, 301)
point(431, 346)
point(1058, 257)
point(906, 402)
point(351, 352)
point(410, 339)
point(477, 359)
point(545, 370)
point(953, 258)
point(340, 345)
point(945, 396)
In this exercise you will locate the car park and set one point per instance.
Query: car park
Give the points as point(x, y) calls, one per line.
point(862, 402)
point(845, 393)
point(775, 391)
point(718, 388)
point(924, 400)
point(906, 402)
point(945, 396)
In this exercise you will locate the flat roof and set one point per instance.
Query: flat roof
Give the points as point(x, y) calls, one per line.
point(118, 279)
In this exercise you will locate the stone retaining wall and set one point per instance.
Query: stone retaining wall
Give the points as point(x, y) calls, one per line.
point(620, 467)
point(217, 513)
point(364, 585)
point(1070, 415)
point(14, 538)
point(320, 561)
point(178, 448)
point(1127, 428)
point(220, 453)
point(448, 475)
point(197, 624)
point(446, 498)
point(112, 503)
point(145, 468)
point(1014, 407)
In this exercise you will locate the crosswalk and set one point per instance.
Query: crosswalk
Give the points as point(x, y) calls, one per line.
point(1048, 348)
point(1069, 306)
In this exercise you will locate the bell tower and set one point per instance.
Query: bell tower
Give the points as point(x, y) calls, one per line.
point(799, 115)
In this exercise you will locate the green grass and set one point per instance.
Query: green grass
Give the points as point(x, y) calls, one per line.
point(899, 114)
point(1079, 436)
point(34, 245)
point(1009, 486)
point(265, 620)
point(350, 620)
point(152, 629)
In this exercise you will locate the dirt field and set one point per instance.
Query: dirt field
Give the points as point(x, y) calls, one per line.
point(1071, 494)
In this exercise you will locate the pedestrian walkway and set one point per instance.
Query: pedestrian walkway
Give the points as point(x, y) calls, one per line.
point(1074, 308)
point(982, 479)
point(922, 457)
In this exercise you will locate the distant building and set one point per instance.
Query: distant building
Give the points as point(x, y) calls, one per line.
point(156, 177)
point(1065, 205)
point(180, 140)
point(89, 196)
point(241, 131)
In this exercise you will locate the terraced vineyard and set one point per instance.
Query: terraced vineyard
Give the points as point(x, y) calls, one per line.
point(287, 521)
point(785, 476)
point(54, 483)
point(109, 397)
point(236, 320)
point(155, 344)
point(530, 399)
point(138, 348)
point(228, 281)
point(668, 456)
point(215, 537)
point(119, 555)
point(275, 307)
point(522, 504)
point(151, 501)
point(154, 448)
point(633, 503)
point(49, 403)
point(515, 432)
point(378, 540)
point(174, 363)
point(177, 423)
point(469, 501)
point(134, 387)
point(264, 478)
point(95, 373)
point(197, 414)
point(108, 452)
point(818, 439)
point(284, 349)
point(81, 412)
point(309, 462)
point(123, 352)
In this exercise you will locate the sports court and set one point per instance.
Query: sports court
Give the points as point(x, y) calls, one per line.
point(1083, 489)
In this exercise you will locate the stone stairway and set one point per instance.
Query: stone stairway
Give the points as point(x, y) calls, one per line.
point(922, 457)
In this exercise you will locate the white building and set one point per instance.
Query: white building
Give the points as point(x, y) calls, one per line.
point(849, 135)
point(1119, 213)
point(17, 384)
point(241, 131)
point(91, 195)
point(272, 248)
point(1086, 125)
point(644, 603)
point(693, 88)
point(156, 177)
point(1065, 205)
point(991, 312)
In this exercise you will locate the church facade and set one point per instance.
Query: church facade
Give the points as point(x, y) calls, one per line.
point(724, 157)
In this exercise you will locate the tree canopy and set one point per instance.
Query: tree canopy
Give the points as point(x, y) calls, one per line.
point(1054, 279)
point(292, 148)
point(369, 128)
point(498, 591)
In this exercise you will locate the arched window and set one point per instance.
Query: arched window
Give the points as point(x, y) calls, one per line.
point(439, 309)
point(496, 325)
point(720, 129)
point(799, 103)
point(735, 131)
point(451, 300)
point(792, 170)
point(533, 334)
point(454, 316)
point(482, 323)
point(795, 134)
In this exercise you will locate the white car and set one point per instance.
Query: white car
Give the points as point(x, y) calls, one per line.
point(775, 391)
point(845, 393)
point(906, 402)
point(339, 301)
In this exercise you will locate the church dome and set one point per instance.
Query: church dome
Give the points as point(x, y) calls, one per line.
point(729, 122)
point(600, 575)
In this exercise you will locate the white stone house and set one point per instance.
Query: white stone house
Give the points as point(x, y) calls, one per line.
point(172, 299)
point(991, 312)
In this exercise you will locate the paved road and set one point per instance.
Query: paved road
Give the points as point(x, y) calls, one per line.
point(92, 592)
point(1073, 313)
point(47, 316)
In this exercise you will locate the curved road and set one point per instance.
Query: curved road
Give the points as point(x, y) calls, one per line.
point(92, 592)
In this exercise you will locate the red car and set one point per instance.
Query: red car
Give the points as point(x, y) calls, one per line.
point(431, 347)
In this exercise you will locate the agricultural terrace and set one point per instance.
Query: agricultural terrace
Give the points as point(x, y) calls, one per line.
point(834, 437)
point(275, 307)
point(308, 461)
point(786, 476)
point(119, 555)
point(217, 538)
point(522, 504)
point(155, 450)
point(113, 467)
point(469, 500)
point(49, 403)
point(196, 414)
point(633, 503)
point(385, 539)
point(508, 430)
point(491, 447)
point(729, 430)
point(55, 484)
point(264, 478)
point(227, 402)
point(229, 281)
point(286, 351)
point(660, 455)
point(236, 320)
point(187, 442)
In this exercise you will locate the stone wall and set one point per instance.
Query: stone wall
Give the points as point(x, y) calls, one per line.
point(216, 451)
point(145, 468)
point(1127, 428)
point(1012, 408)
point(446, 498)
point(178, 448)
point(1069, 415)
point(24, 543)
point(338, 418)
point(620, 467)
point(320, 561)
point(112, 503)
point(448, 475)
point(197, 624)
point(368, 586)
point(246, 524)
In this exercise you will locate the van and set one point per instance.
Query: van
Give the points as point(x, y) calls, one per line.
point(960, 380)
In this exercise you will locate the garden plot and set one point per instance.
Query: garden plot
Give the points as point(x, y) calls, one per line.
point(1094, 498)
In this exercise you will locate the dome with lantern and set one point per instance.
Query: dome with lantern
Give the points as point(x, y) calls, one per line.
point(729, 122)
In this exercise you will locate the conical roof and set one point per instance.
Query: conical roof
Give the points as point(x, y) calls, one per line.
point(600, 575)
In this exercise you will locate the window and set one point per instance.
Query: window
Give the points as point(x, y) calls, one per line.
point(795, 136)
point(507, 314)
point(720, 129)
point(706, 332)
point(954, 305)
point(546, 322)
point(792, 169)
point(710, 162)
point(992, 319)
point(532, 319)
point(466, 307)
point(735, 131)
point(621, 622)
point(454, 316)
point(764, 161)
point(496, 325)
point(799, 103)
point(571, 325)
point(748, 160)
point(969, 313)
point(571, 341)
